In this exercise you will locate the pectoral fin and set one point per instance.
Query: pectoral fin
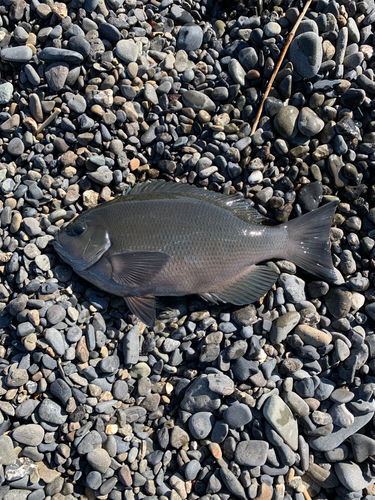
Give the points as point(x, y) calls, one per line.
point(250, 287)
point(143, 307)
point(133, 269)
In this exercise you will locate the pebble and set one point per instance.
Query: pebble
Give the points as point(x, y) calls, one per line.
point(189, 37)
point(305, 53)
point(286, 121)
point(200, 424)
point(29, 434)
point(19, 54)
point(251, 453)
point(6, 92)
point(283, 325)
point(237, 415)
point(255, 401)
point(99, 460)
point(351, 476)
point(7, 453)
point(279, 416)
point(363, 447)
point(127, 51)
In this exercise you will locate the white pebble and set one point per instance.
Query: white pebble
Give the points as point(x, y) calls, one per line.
point(255, 177)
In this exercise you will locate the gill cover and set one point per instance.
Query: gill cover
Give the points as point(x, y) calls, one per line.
point(81, 244)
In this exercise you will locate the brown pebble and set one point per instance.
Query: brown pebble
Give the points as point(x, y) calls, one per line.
point(134, 164)
point(252, 75)
point(125, 476)
point(82, 353)
point(264, 492)
point(215, 450)
point(68, 158)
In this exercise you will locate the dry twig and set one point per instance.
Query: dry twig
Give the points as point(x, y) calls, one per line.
point(278, 65)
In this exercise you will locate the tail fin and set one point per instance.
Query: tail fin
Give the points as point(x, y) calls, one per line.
point(309, 241)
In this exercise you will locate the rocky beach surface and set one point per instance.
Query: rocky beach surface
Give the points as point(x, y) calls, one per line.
point(274, 400)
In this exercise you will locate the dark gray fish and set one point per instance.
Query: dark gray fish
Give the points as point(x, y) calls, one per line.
point(175, 239)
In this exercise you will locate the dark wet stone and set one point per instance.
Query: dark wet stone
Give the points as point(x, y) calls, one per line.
point(305, 53)
point(310, 196)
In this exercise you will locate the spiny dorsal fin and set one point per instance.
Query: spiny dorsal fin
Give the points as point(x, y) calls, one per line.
point(236, 204)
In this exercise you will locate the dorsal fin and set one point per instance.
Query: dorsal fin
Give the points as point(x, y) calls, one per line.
point(236, 204)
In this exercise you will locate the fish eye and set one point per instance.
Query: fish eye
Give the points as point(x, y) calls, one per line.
point(76, 229)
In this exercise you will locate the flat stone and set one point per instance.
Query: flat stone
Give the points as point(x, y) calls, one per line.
point(199, 396)
point(29, 434)
point(53, 54)
point(237, 415)
point(305, 53)
point(197, 101)
point(232, 483)
point(294, 288)
point(283, 325)
point(127, 51)
point(200, 424)
point(280, 417)
point(251, 453)
point(192, 469)
point(19, 54)
point(6, 92)
point(338, 302)
point(99, 460)
point(313, 336)
point(286, 121)
point(309, 123)
point(56, 75)
point(351, 476)
point(338, 436)
point(7, 454)
point(363, 447)
point(51, 412)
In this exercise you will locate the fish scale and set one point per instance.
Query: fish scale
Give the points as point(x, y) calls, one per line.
point(172, 239)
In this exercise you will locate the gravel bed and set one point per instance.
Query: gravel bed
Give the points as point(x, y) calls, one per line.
point(274, 400)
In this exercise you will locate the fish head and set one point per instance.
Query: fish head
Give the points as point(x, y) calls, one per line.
point(83, 241)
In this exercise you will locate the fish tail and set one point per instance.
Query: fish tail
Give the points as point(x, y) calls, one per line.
point(309, 241)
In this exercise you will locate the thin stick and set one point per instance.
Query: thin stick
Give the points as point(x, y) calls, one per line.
point(306, 495)
point(48, 121)
point(278, 65)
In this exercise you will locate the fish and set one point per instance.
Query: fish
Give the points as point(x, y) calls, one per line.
point(173, 239)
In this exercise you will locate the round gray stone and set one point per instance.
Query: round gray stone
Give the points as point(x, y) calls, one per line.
point(6, 92)
point(30, 434)
point(127, 51)
point(189, 37)
point(51, 412)
point(200, 424)
point(237, 415)
point(16, 147)
point(305, 53)
point(251, 453)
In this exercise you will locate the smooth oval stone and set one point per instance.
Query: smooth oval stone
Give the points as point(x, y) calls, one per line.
point(17, 54)
point(127, 51)
point(189, 37)
point(305, 52)
point(197, 101)
point(251, 453)
point(53, 54)
point(285, 121)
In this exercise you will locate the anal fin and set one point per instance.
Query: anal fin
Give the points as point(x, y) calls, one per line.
point(250, 287)
point(143, 307)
